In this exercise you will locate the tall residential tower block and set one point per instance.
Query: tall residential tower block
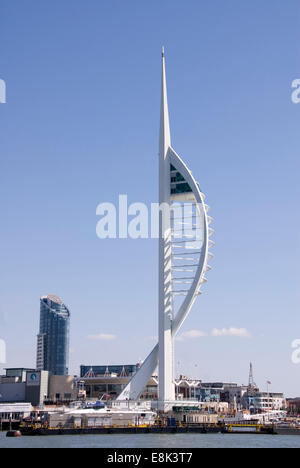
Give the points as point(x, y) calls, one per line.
point(53, 339)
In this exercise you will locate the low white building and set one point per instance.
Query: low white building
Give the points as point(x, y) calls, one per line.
point(264, 401)
point(15, 411)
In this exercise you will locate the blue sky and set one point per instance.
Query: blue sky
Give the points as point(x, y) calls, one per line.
point(80, 127)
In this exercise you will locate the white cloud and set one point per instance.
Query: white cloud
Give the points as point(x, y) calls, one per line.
point(188, 335)
point(102, 336)
point(240, 332)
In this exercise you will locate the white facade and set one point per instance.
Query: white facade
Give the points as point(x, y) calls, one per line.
point(15, 411)
point(269, 401)
point(183, 258)
point(166, 387)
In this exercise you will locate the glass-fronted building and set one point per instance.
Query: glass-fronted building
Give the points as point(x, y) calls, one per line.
point(124, 370)
point(53, 339)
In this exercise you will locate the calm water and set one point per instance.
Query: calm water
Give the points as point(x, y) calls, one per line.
point(153, 441)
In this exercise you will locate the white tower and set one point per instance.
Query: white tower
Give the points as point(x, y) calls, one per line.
point(183, 255)
point(166, 389)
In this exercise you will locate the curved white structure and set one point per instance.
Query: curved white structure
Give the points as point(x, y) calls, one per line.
point(184, 242)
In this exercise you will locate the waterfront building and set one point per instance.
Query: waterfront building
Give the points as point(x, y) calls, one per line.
point(24, 385)
point(37, 384)
point(240, 398)
point(106, 380)
point(264, 401)
point(109, 381)
point(18, 373)
point(208, 394)
point(53, 338)
point(11, 413)
point(228, 392)
point(62, 388)
point(37, 387)
point(293, 405)
point(126, 370)
point(236, 396)
point(183, 259)
point(13, 385)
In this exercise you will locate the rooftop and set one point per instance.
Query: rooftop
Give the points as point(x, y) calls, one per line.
point(53, 298)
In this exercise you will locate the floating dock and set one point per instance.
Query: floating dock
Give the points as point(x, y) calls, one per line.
point(196, 429)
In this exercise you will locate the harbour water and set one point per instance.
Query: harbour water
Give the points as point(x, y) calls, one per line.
point(169, 441)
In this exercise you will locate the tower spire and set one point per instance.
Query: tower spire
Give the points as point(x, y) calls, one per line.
point(166, 388)
point(176, 184)
point(165, 137)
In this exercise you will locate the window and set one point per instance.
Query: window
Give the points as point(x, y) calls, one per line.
point(178, 182)
point(181, 188)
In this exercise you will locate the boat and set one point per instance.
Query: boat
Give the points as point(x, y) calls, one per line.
point(100, 414)
point(13, 434)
